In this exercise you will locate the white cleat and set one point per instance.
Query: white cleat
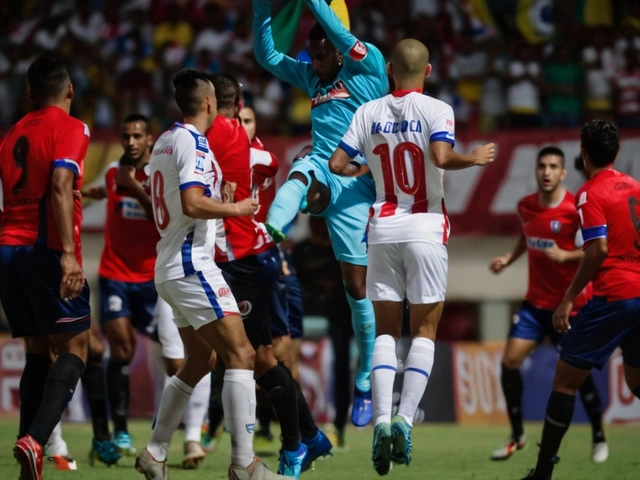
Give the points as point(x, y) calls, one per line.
point(256, 471)
point(151, 468)
point(193, 455)
point(510, 448)
point(599, 452)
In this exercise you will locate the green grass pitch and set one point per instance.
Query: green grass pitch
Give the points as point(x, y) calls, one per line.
point(439, 452)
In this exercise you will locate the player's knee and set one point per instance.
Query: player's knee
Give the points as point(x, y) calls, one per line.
point(241, 357)
point(122, 352)
point(511, 362)
point(300, 177)
point(96, 351)
point(356, 288)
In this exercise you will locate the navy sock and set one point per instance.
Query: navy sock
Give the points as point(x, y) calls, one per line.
point(118, 392)
point(58, 390)
point(308, 427)
point(94, 383)
point(556, 423)
point(216, 412)
point(511, 381)
point(31, 389)
point(592, 405)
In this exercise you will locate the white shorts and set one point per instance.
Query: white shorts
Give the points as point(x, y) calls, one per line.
point(416, 271)
point(198, 299)
point(168, 334)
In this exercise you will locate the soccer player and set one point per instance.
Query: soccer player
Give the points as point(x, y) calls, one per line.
point(550, 224)
point(407, 139)
point(186, 197)
point(343, 74)
point(609, 217)
point(42, 287)
point(250, 263)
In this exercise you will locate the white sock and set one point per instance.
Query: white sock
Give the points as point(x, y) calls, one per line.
point(383, 374)
point(239, 404)
point(175, 399)
point(197, 410)
point(416, 375)
point(56, 443)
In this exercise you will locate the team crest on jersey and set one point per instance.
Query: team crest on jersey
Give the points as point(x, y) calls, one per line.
point(199, 164)
point(224, 292)
point(358, 52)
point(338, 90)
point(202, 141)
point(555, 226)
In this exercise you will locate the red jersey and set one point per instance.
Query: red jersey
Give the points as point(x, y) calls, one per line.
point(543, 228)
point(130, 237)
point(40, 142)
point(243, 236)
point(609, 207)
point(264, 167)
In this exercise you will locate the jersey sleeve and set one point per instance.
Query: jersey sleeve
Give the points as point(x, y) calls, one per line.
point(191, 158)
point(71, 148)
point(277, 63)
point(593, 221)
point(443, 125)
point(353, 141)
point(366, 56)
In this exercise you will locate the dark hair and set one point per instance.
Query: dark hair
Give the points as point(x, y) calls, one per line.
point(189, 93)
point(48, 77)
point(137, 117)
point(227, 89)
point(317, 33)
point(551, 150)
point(600, 140)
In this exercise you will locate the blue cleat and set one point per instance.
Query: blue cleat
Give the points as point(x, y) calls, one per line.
point(401, 449)
point(123, 444)
point(104, 451)
point(318, 446)
point(362, 412)
point(291, 461)
point(381, 450)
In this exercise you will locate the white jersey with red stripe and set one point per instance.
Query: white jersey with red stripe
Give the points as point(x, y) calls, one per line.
point(182, 159)
point(394, 133)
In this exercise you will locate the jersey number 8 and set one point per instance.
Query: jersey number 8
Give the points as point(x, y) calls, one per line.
point(160, 210)
point(409, 180)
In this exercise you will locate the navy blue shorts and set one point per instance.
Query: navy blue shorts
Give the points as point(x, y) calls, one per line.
point(252, 281)
point(286, 307)
point(30, 293)
point(532, 323)
point(598, 329)
point(134, 300)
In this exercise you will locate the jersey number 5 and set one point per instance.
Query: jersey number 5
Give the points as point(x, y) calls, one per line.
point(160, 210)
point(404, 169)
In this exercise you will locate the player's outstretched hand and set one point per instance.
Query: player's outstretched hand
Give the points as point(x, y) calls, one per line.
point(95, 193)
point(72, 277)
point(561, 317)
point(484, 154)
point(247, 207)
point(498, 264)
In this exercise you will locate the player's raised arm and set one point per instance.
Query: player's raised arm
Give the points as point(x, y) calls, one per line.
point(498, 264)
point(281, 65)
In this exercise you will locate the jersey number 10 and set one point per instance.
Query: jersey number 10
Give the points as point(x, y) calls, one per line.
point(160, 210)
point(397, 171)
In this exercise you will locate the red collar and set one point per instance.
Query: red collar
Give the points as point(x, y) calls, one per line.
point(402, 93)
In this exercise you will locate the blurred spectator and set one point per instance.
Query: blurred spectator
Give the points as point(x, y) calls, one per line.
point(599, 67)
point(84, 25)
point(50, 33)
point(214, 36)
point(493, 102)
point(563, 79)
point(627, 91)
point(523, 92)
point(174, 29)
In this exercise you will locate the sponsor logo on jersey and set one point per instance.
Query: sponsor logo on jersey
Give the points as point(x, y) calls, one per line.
point(199, 164)
point(395, 127)
point(202, 141)
point(338, 90)
point(244, 307)
point(224, 292)
point(556, 226)
point(130, 209)
point(539, 243)
point(166, 150)
point(358, 51)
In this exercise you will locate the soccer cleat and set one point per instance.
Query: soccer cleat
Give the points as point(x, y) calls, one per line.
point(256, 471)
point(58, 453)
point(533, 476)
point(63, 463)
point(362, 412)
point(104, 451)
point(401, 444)
point(510, 448)
point(318, 446)
point(193, 455)
point(599, 452)
point(291, 461)
point(277, 235)
point(381, 450)
point(29, 455)
point(123, 444)
point(210, 442)
point(151, 468)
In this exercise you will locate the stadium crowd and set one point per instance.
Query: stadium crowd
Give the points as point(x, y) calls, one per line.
point(564, 62)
